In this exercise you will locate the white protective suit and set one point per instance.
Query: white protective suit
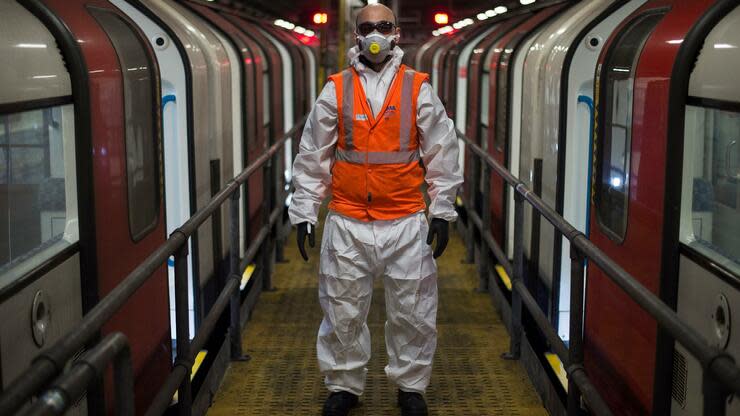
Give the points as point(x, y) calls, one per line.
point(353, 252)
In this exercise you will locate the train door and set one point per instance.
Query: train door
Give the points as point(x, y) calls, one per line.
point(495, 118)
point(181, 151)
point(570, 166)
point(437, 59)
point(40, 247)
point(309, 52)
point(421, 54)
point(289, 97)
point(517, 61)
point(268, 72)
point(175, 138)
point(249, 97)
point(478, 84)
point(237, 90)
point(540, 148)
point(619, 337)
point(709, 250)
point(460, 68)
point(461, 81)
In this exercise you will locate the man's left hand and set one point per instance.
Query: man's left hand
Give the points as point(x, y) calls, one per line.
point(441, 229)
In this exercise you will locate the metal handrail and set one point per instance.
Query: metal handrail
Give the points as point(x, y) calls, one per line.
point(50, 362)
point(722, 376)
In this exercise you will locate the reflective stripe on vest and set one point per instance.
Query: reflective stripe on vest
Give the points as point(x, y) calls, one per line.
point(407, 89)
point(347, 106)
point(377, 158)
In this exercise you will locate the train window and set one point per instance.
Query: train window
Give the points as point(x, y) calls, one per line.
point(502, 94)
point(710, 220)
point(264, 63)
point(613, 160)
point(142, 127)
point(266, 102)
point(38, 195)
point(484, 105)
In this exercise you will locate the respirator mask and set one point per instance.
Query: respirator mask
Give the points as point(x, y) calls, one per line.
point(376, 40)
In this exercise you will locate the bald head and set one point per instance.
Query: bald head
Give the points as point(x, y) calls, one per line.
point(375, 13)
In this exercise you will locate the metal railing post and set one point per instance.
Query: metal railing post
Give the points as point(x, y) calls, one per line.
point(267, 249)
point(715, 393)
point(575, 347)
point(182, 319)
point(235, 327)
point(484, 264)
point(281, 231)
point(515, 347)
point(470, 207)
point(282, 188)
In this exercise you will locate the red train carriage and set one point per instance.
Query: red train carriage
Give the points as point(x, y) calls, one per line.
point(628, 361)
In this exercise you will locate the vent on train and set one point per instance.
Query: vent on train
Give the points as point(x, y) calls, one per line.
point(678, 390)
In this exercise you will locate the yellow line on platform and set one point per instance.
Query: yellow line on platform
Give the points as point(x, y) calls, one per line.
point(196, 365)
point(503, 276)
point(557, 366)
point(248, 272)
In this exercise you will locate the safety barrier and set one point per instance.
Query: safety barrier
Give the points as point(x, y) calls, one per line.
point(70, 386)
point(722, 376)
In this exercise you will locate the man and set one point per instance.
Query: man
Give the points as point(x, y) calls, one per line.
point(376, 132)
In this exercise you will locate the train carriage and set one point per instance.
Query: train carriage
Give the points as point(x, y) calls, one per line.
point(134, 114)
point(115, 73)
point(709, 224)
point(631, 180)
point(46, 228)
point(591, 86)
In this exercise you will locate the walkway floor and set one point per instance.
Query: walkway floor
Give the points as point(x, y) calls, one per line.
point(282, 378)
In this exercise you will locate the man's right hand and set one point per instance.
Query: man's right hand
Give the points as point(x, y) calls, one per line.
point(306, 229)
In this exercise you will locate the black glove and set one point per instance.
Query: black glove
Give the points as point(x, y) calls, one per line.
point(305, 229)
point(441, 229)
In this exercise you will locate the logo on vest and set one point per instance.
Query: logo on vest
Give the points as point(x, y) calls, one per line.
point(390, 111)
point(361, 117)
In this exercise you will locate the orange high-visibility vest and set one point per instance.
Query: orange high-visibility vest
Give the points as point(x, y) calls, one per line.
point(377, 172)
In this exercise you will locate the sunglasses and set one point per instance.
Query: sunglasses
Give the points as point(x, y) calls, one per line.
point(384, 27)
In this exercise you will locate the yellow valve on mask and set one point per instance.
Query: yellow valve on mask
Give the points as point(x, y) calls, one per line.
point(374, 48)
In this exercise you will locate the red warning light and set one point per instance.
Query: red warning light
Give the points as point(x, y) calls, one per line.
point(320, 18)
point(441, 18)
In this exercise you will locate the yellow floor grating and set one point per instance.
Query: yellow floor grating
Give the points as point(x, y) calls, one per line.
point(282, 378)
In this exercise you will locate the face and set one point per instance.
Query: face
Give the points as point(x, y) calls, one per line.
point(376, 18)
